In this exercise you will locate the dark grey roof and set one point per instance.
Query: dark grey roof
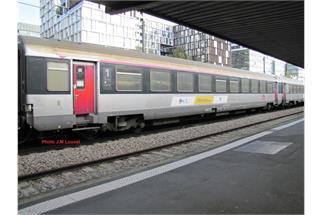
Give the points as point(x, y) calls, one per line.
point(275, 28)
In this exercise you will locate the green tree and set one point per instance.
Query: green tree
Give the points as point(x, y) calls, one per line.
point(179, 52)
point(290, 75)
point(138, 47)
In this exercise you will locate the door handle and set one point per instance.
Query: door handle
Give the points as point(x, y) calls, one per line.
point(76, 95)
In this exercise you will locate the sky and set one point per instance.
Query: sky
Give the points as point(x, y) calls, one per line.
point(28, 14)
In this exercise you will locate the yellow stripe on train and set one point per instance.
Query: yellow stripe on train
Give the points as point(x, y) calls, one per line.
point(204, 100)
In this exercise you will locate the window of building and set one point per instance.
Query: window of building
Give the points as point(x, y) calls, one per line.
point(219, 59)
point(160, 80)
point(262, 86)
point(221, 85)
point(57, 76)
point(184, 82)
point(128, 79)
point(245, 85)
point(205, 83)
point(234, 85)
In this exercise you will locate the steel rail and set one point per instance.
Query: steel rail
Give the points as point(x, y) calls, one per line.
point(121, 156)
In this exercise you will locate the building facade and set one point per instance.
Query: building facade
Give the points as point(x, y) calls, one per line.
point(157, 36)
point(87, 22)
point(202, 47)
point(84, 21)
point(247, 59)
point(25, 29)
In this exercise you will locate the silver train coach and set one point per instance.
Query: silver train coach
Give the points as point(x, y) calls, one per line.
point(66, 85)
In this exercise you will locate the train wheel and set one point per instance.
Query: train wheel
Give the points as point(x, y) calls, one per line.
point(24, 134)
point(139, 128)
point(268, 107)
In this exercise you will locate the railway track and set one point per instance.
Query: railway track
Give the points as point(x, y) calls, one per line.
point(248, 121)
point(91, 137)
point(88, 138)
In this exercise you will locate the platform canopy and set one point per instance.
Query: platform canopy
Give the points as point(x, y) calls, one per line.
point(275, 28)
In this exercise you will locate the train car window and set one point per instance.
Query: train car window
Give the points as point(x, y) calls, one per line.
point(160, 81)
point(57, 76)
point(184, 82)
point(245, 85)
point(280, 87)
point(221, 85)
point(287, 88)
point(270, 87)
point(262, 86)
point(80, 77)
point(129, 79)
point(234, 85)
point(205, 83)
point(254, 84)
point(290, 89)
point(106, 78)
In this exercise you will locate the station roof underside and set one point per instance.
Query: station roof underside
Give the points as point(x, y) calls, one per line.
point(275, 28)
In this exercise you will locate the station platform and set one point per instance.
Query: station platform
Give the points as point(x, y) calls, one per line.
point(265, 174)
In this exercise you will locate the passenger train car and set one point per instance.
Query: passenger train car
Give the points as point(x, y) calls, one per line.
point(66, 85)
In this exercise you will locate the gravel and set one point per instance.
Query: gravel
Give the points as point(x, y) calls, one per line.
point(44, 161)
point(60, 182)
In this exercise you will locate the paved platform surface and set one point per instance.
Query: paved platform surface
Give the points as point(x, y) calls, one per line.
point(264, 176)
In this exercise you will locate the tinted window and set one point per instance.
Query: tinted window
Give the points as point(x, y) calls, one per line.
point(254, 84)
point(106, 79)
point(280, 87)
point(221, 85)
point(184, 82)
point(128, 79)
point(57, 76)
point(262, 86)
point(245, 85)
point(160, 80)
point(234, 85)
point(80, 75)
point(269, 87)
point(205, 83)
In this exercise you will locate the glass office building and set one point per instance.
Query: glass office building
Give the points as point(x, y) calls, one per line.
point(87, 22)
point(202, 47)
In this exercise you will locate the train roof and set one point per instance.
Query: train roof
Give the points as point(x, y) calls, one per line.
point(84, 51)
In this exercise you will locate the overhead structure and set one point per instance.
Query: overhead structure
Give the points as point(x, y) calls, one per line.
point(275, 28)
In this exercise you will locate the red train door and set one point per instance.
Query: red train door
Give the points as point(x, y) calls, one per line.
point(83, 88)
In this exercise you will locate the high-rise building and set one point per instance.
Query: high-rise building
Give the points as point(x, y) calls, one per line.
point(26, 29)
point(247, 59)
point(202, 47)
point(86, 21)
point(157, 36)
